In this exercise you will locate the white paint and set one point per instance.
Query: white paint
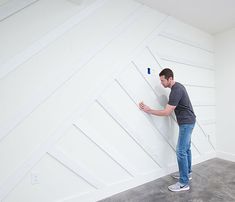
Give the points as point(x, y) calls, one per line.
point(225, 98)
point(56, 182)
point(10, 7)
point(92, 77)
point(22, 108)
point(212, 16)
point(35, 33)
point(98, 140)
point(109, 191)
point(79, 169)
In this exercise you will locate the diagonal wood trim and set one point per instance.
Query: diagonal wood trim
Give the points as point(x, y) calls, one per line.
point(172, 117)
point(84, 127)
point(178, 60)
point(16, 61)
point(184, 41)
point(201, 128)
point(128, 129)
point(79, 169)
point(44, 95)
point(154, 127)
point(12, 7)
point(11, 181)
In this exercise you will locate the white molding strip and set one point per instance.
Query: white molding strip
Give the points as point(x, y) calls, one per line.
point(44, 95)
point(117, 188)
point(172, 117)
point(129, 130)
point(7, 185)
point(186, 62)
point(157, 59)
point(13, 6)
point(184, 41)
point(111, 152)
point(146, 115)
point(154, 57)
point(206, 135)
point(36, 47)
point(12, 180)
point(208, 138)
point(199, 86)
point(178, 60)
point(79, 169)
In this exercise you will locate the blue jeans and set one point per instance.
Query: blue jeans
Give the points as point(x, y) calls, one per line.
point(183, 151)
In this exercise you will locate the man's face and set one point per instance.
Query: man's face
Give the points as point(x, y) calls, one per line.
point(165, 82)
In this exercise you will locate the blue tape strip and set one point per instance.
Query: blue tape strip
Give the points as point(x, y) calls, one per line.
point(148, 70)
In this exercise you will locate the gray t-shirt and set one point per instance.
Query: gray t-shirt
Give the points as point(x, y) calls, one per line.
point(184, 110)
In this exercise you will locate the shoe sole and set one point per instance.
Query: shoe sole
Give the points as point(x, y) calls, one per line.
point(182, 189)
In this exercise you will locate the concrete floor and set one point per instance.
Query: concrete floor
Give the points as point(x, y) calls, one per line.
point(213, 181)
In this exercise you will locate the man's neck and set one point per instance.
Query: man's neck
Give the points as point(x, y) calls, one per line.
point(172, 83)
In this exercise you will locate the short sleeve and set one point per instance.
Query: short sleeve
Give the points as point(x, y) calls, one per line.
point(175, 96)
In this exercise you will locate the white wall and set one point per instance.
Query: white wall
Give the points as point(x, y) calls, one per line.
point(225, 98)
point(70, 126)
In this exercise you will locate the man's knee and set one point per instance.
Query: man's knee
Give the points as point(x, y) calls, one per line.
point(181, 153)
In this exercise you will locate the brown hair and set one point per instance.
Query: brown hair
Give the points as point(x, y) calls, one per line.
point(167, 73)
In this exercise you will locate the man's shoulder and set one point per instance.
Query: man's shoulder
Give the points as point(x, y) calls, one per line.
point(179, 85)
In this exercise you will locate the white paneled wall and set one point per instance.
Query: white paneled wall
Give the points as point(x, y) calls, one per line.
point(70, 84)
point(225, 61)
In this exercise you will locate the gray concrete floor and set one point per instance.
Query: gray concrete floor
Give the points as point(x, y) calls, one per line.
point(213, 181)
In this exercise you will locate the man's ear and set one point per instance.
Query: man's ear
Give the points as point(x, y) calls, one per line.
point(170, 79)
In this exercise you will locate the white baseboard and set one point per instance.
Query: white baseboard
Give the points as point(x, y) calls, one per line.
point(226, 156)
point(137, 181)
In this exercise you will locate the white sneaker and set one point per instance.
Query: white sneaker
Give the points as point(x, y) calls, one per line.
point(179, 187)
point(177, 176)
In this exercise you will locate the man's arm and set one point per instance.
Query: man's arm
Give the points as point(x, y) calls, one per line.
point(165, 112)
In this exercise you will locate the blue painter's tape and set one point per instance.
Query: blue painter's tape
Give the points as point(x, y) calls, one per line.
point(148, 70)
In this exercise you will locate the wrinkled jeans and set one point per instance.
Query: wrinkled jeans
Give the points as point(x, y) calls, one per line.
point(183, 151)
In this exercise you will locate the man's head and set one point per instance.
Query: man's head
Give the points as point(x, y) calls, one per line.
point(167, 77)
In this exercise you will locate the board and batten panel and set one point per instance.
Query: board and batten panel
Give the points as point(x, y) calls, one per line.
point(37, 128)
point(202, 79)
point(201, 88)
point(174, 50)
point(115, 135)
point(201, 96)
point(54, 65)
point(82, 149)
point(190, 75)
point(138, 89)
point(205, 113)
point(31, 23)
point(167, 126)
point(202, 141)
point(144, 60)
point(68, 97)
point(148, 136)
point(188, 34)
point(110, 145)
point(53, 182)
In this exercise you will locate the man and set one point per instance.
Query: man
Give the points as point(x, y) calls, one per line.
point(180, 103)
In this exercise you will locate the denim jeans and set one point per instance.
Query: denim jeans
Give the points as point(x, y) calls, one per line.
point(183, 151)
